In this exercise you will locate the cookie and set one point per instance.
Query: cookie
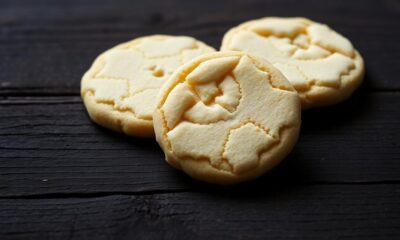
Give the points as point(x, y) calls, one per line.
point(226, 117)
point(120, 88)
point(321, 64)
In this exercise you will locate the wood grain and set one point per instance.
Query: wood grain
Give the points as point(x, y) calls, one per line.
point(280, 212)
point(48, 145)
point(46, 46)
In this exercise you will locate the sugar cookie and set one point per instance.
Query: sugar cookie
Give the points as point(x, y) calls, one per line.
point(120, 88)
point(321, 64)
point(226, 117)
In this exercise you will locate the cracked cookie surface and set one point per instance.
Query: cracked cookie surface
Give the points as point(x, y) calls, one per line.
point(120, 88)
point(321, 64)
point(226, 117)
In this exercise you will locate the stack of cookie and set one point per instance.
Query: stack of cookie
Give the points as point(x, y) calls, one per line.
point(229, 116)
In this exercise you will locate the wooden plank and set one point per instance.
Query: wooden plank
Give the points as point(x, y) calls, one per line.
point(48, 145)
point(46, 46)
point(282, 212)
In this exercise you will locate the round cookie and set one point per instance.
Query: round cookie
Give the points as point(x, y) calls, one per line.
point(226, 117)
point(321, 64)
point(120, 88)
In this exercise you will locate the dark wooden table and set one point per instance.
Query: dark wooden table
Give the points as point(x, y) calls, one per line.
point(61, 176)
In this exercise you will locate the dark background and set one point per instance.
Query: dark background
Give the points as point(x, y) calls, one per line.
point(63, 177)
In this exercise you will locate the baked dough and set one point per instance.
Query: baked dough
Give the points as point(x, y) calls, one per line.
point(120, 88)
point(321, 64)
point(226, 117)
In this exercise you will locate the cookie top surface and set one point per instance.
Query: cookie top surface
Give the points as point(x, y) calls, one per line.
point(226, 117)
point(321, 64)
point(120, 88)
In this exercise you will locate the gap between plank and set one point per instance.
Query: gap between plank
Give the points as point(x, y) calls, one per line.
point(204, 188)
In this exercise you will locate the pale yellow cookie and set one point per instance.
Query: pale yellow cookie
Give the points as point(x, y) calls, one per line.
point(120, 88)
point(226, 117)
point(321, 64)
